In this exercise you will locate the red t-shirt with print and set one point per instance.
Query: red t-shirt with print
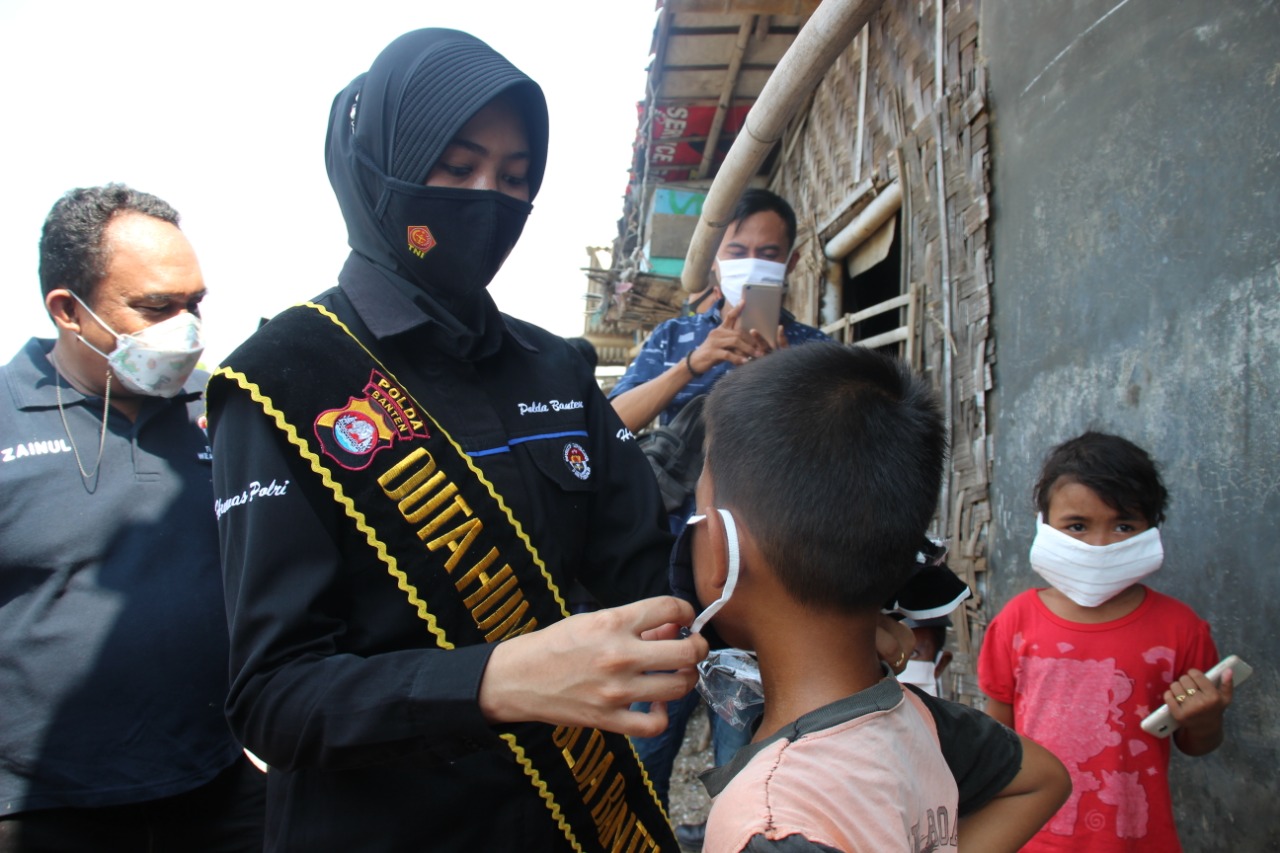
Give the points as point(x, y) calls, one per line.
point(1082, 691)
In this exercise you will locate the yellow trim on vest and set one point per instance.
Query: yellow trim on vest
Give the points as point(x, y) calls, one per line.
point(648, 783)
point(543, 790)
point(502, 504)
point(402, 579)
point(348, 506)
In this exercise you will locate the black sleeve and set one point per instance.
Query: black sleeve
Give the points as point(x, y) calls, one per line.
point(983, 754)
point(629, 541)
point(311, 684)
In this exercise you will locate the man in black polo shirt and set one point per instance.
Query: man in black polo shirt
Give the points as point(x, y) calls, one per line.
point(113, 638)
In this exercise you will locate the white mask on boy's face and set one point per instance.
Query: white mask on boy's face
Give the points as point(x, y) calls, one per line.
point(736, 273)
point(921, 673)
point(1091, 575)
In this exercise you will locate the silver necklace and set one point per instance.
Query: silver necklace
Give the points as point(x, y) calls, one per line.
point(102, 439)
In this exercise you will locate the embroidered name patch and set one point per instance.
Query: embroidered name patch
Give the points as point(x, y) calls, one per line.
point(353, 434)
point(34, 448)
point(539, 407)
point(576, 458)
point(255, 489)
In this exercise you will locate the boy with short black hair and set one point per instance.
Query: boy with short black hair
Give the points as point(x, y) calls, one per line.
point(823, 469)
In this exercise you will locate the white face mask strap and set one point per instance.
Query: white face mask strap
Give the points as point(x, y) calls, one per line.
point(731, 535)
point(96, 318)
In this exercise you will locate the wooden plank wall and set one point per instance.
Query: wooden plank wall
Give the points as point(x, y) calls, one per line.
point(905, 123)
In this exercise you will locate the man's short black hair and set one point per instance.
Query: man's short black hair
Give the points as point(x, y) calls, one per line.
point(72, 254)
point(832, 456)
point(755, 201)
point(1119, 472)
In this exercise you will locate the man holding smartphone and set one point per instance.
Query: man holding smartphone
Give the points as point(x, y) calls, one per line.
point(682, 359)
point(686, 355)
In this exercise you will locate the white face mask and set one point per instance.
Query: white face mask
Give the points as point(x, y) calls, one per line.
point(920, 673)
point(736, 273)
point(155, 361)
point(1090, 575)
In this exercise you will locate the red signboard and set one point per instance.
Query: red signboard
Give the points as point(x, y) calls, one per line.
point(685, 121)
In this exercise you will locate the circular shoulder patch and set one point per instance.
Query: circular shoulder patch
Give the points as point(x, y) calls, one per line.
point(576, 458)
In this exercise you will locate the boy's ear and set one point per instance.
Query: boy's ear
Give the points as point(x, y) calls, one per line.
point(717, 574)
point(943, 662)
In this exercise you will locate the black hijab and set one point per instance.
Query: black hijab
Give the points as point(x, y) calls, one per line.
point(386, 130)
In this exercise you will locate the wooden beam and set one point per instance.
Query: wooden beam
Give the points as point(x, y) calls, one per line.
point(726, 96)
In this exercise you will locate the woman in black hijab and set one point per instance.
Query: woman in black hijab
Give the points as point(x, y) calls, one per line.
point(395, 151)
point(407, 480)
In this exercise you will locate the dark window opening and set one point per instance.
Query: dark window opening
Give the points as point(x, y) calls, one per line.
point(877, 284)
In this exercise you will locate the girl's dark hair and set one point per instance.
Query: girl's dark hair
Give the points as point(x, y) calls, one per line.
point(1118, 471)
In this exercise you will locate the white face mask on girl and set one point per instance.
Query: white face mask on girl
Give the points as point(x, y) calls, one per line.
point(155, 361)
point(1091, 575)
point(736, 273)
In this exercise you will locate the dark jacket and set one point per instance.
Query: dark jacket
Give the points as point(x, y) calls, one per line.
point(374, 733)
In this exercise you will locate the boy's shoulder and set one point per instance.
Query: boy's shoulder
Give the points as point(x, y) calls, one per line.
point(835, 777)
point(982, 754)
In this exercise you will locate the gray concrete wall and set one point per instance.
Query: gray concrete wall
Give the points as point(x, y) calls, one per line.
point(1136, 242)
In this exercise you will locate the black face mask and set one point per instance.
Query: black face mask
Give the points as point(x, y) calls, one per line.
point(452, 241)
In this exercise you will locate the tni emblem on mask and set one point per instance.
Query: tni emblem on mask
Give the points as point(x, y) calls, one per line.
point(421, 240)
point(577, 460)
point(353, 434)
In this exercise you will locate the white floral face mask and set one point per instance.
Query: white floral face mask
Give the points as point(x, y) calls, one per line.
point(1091, 575)
point(155, 361)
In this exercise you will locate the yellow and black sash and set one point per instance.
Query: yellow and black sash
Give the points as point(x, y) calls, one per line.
point(430, 519)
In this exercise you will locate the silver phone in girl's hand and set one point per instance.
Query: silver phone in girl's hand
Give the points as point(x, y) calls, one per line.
point(1161, 723)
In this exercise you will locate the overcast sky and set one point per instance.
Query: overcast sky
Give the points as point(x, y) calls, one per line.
point(221, 109)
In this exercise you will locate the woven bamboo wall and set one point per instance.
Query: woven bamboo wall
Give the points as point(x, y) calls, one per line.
point(905, 124)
